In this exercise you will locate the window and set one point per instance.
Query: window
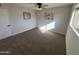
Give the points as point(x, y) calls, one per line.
point(75, 21)
point(47, 27)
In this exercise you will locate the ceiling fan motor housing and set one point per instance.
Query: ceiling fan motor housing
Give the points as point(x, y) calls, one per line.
point(39, 5)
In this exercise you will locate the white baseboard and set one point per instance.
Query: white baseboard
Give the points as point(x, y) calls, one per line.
point(58, 32)
point(17, 33)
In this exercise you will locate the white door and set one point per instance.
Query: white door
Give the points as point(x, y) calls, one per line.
point(4, 24)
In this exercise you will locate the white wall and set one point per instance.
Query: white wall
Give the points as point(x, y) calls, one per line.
point(72, 38)
point(15, 17)
point(18, 24)
point(72, 42)
point(61, 18)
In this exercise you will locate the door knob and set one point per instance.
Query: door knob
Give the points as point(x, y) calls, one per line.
point(8, 25)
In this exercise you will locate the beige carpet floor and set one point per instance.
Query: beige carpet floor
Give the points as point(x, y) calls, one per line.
point(34, 42)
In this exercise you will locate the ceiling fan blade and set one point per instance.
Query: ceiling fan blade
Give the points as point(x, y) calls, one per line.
point(44, 5)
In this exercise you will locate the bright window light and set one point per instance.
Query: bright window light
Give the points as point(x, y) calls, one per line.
point(43, 29)
point(47, 27)
point(51, 26)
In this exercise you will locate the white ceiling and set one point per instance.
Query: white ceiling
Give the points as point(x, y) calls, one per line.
point(32, 5)
point(50, 5)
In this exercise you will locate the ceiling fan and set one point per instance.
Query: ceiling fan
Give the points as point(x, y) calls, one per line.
point(40, 6)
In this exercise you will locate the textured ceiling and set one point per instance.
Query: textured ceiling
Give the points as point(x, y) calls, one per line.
point(50, 5)
point(32, 5)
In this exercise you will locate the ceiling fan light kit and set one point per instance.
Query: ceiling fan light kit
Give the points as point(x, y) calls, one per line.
point(39, 6)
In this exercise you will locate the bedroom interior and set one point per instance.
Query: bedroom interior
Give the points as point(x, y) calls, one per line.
point(39, 29)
